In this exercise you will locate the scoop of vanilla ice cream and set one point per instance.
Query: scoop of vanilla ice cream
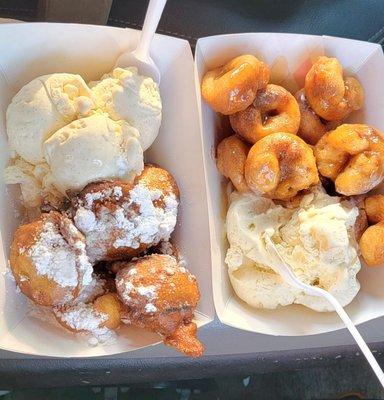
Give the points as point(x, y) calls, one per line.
point(125, 95)
point(41, 107)
point(316, 239)
point(92, 149)
point(259, 286)
point(34, 182)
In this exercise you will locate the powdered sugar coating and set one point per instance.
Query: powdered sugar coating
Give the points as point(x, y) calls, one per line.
point(64, 263)
point(148, 293)
point(150, 308)
point(83, 318)
point(143, 291)
point(89, 292)
point(115, 192)
point(137, 220)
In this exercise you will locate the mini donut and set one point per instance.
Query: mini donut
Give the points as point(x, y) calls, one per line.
point(273, 110)
point(122, 220)
point(231, 155)
point(374, 207)
point(49, 261)
point(280, 165)
point(233, 86)
point(161, 296)
point(352, 155)
point(312, 128)
point(330, 95)
point(372, 245)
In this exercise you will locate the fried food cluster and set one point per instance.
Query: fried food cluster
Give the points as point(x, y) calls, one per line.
point(280, 145)
point(161, 296)
point(67, 261)
point(282, 166)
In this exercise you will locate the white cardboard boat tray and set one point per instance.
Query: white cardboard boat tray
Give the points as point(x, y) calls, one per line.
point(289, 57)
point(33, 49)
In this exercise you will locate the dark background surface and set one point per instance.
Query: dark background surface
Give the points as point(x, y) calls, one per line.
point(313, 371)
point(191, 19)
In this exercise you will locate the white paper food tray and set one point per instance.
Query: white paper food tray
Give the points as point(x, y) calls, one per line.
point(289, 56)
point(30, 50)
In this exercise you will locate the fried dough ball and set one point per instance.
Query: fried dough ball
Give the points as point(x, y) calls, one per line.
point(164, 247)
point(273, 110)
point(312, 128)
point(231, 155)
point(110, 305)
point(352, 155)
point(105, 312)
point(161, 296)
point(233, 86)
point(48, 260)
point(120, 219)
point(330, 95)
point(279, 166)
point(372, 245)
point(374, 207)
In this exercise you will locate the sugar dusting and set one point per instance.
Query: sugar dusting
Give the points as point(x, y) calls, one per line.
point(149, 293)
point(83, 318)
point(115, 192)
point(135, 221)
point(58, 260)
point(89, 292)
point(135, 294)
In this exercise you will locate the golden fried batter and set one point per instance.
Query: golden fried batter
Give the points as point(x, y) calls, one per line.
point(311, 127)
point(161, 296)
point(352, 155)
point(231, 155)
point(121, 220)
point(374, 207)
point(330, 95)
point(110, 305)
point(233, 86)
point(279, 166)
point(105, 312)
point(372, 245)
point(273, 110)
point(48, 260)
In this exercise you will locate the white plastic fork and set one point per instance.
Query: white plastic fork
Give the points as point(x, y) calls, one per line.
point(284, 270)
point(141, 57)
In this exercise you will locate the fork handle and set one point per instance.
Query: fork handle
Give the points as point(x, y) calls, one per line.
point(152, 18)
point(358, 338)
